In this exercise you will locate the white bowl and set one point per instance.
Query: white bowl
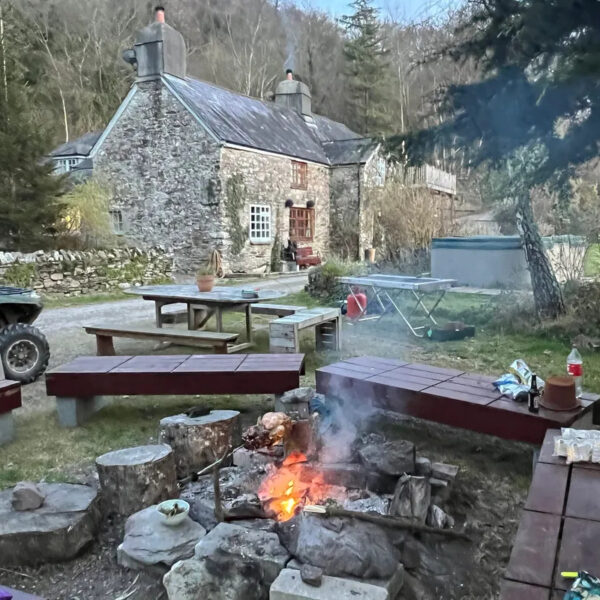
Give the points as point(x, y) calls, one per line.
point(167, 505)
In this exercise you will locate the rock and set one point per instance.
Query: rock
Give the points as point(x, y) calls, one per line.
point(27, 496)
point(302, 394)
point(262, 524)
point(246, 506)
point(289, 586)
point(229, 544)
point(198, 441)
point(57, 531)
point(391, 458)
point(414, 589)
point(134, 478)
point(341, 547)
point(444, 472)
point(373, 504)
point(411, 556)
point(311, 575)
point(348, 475)
point(151, 545)
point(411, 498)
point(392, 585)
point(381, 484)
point(338, 444)
point(192, 579)
point(422, 466)
point(436, 517)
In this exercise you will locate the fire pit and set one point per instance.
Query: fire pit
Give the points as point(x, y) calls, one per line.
point(311, 491)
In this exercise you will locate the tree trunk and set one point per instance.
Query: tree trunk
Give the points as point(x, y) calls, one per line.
point(547, 294)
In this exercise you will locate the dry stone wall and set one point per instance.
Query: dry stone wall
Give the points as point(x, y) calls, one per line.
point(70, 273)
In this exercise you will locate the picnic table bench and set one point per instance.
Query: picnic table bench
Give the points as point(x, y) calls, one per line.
point(284, 333)
point(10, 399)
point(448, 396)
point(80, 384)
point(220, 341)
point(559, 528)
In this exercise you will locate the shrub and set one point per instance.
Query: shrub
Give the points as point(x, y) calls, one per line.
point(322, 280)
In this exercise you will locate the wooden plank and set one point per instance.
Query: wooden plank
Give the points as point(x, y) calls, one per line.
point(91, 364)
point(373, 361)
point(445, 393)
point(548, 489)
point(280, 310)
point(401, 380)
point(513, 590)
point(450, 386)
point(162, 332)
point(553, 418)
point(579, 549)
point(534, 549)
point(583, 501)
point(437, 370)
point(151, 364)
point(412, 370)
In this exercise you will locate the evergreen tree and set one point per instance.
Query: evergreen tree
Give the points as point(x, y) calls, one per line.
point(367, 68)
point(29, 192)
point(536, 112)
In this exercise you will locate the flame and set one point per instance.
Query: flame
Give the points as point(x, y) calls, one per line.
point(288, 488)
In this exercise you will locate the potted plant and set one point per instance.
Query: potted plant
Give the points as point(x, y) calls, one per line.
point(205, 278)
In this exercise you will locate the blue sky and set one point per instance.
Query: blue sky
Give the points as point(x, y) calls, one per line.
point(413, 10)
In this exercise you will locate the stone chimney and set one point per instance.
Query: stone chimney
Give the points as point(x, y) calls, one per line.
point(159, 49)
point(294, 94)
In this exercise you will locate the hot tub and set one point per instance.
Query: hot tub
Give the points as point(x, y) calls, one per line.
point(481, 261)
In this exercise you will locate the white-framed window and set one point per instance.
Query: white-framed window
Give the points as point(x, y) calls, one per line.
point(260, 224)
point(65, 165)
point(116, 221)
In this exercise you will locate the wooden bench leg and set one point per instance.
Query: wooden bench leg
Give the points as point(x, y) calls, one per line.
point(7, 428)
point(73, 412)
point(104, 345)
point(327, 336)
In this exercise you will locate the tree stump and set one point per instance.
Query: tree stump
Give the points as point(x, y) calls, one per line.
point(134, 478)
point(198, 441)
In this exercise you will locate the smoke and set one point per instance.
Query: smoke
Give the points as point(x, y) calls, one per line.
point(291, 40)
point(345, 416)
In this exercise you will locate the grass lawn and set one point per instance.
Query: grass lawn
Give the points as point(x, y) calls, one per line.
point(43, 449)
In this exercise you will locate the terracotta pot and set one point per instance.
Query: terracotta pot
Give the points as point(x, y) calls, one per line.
point(559, 393)
point(205, 282)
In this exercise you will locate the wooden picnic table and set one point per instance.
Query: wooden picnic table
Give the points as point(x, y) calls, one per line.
point(559, 528)
point(201, 306)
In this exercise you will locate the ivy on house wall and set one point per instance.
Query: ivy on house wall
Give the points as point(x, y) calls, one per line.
point(235, 197)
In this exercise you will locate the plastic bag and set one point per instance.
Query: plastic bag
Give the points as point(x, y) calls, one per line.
point(517, 380)
point(585, 586)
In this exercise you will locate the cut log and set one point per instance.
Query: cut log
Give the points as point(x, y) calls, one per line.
point(134, 478)
point(197, 440)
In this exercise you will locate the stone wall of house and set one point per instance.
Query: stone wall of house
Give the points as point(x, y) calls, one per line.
point(72, 273)
point(345, 202)
point(257, 178)
point(163, 168)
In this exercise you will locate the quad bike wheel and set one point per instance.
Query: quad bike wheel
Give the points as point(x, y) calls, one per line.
point(24, 352)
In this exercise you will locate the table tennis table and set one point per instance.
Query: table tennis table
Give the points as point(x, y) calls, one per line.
point(386, 290)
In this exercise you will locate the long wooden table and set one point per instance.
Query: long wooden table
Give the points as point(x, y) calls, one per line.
point(79, 385)
point(559, 528)
point(448, 396)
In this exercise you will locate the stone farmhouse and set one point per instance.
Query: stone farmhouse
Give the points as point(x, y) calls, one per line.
point(196, 168)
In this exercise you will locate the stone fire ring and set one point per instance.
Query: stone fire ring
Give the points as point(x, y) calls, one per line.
point(55, 532)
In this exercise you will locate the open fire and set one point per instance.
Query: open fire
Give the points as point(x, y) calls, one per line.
point(288, 488)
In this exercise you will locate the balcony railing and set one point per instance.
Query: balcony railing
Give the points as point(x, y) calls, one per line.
point(430, 177)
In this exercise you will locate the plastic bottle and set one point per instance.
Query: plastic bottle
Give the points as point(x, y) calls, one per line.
point(575, 369)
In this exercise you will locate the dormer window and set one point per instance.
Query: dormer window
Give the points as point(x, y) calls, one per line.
point(299, 175)
point(65, 165)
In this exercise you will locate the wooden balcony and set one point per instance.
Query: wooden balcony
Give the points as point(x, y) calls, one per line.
point(430, 177)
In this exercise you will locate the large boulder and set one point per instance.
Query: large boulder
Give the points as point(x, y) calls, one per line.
point(230, 563)
point(151, 545)
point(390, 458)
point(56, 531)
point(341, 547)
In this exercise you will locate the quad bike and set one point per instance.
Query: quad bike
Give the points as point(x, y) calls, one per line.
point(24, 351)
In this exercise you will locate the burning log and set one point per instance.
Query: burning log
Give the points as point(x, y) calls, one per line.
point(271, 429)
point(383, 521)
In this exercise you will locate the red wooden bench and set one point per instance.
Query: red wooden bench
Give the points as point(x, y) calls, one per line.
point(446, 396)
point(559, 528)
point(305, 257)
point(10, 398)
point(80, 384)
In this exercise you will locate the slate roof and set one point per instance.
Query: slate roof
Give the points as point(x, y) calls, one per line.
point(80, 147)
point(254, 123)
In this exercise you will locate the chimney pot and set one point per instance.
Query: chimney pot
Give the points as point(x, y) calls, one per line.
point(160, 14)
point(290, 75)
